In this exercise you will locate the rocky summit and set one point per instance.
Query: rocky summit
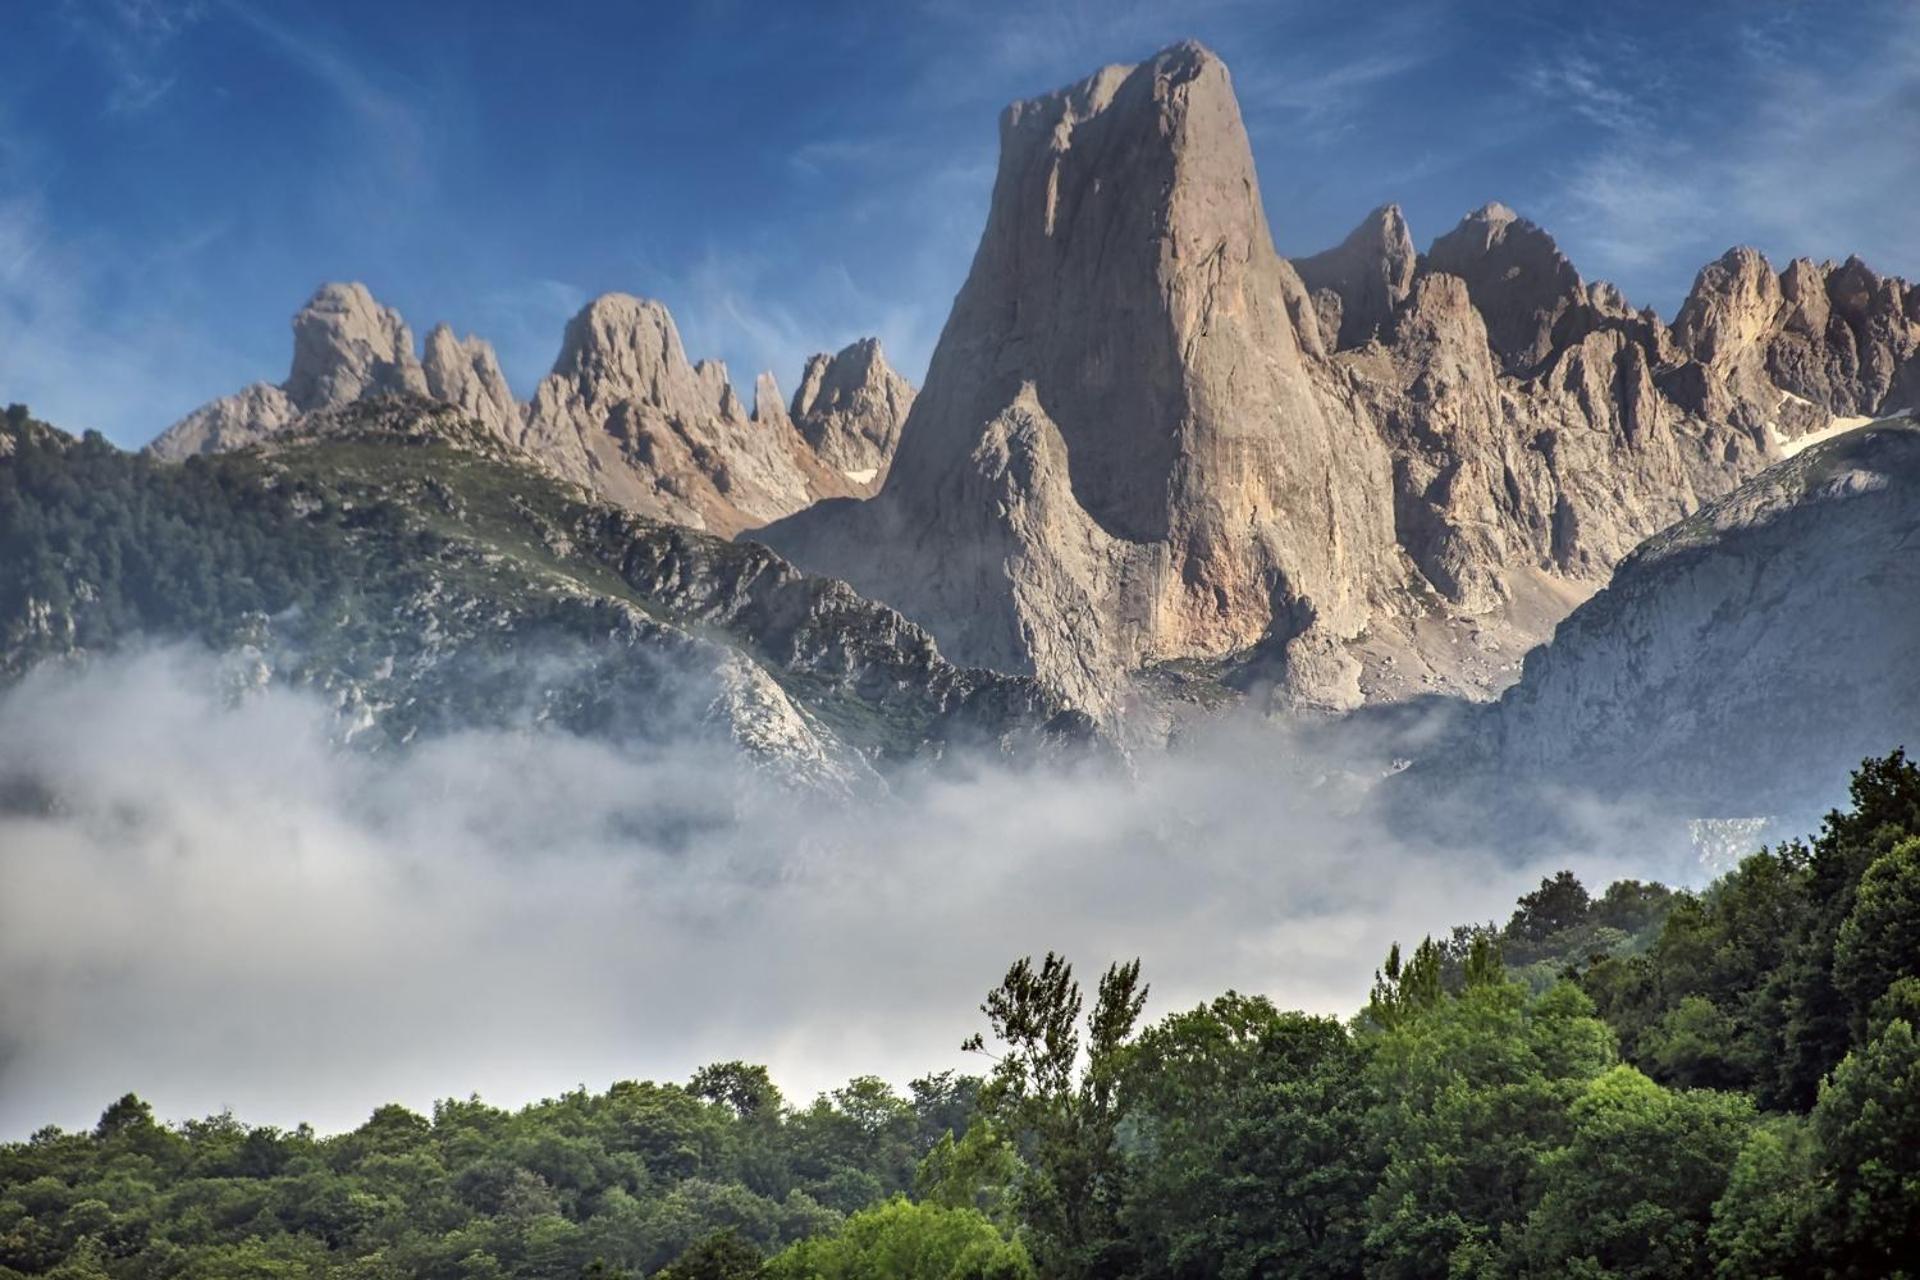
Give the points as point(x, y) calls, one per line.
point(624, 413)
point(1798, 590)
point(1124, 451)
point(1147, 441)
point(1155, 463)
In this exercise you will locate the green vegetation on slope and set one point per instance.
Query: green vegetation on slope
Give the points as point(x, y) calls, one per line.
point(397, 556)
point(1648, 1084)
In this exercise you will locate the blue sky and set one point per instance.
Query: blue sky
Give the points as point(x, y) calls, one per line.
point(177, 175)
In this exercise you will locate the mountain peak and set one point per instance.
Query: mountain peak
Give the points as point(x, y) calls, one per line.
point(1369, 274)
point(1087, 495)
point(346, 345)
point(1518, 278)
point(1730, 308)
point(466, 373)
point(621, 347)
point(850, 407)
point(768, 407)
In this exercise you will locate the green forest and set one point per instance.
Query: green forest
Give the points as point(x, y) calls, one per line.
point(1646, 1083)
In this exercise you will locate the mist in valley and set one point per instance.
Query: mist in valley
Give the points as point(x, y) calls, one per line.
point(205, 899)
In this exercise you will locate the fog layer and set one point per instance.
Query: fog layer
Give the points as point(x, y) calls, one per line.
point(205, 901)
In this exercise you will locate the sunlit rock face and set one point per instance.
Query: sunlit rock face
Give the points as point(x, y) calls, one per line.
point(1357, 284)
point(1374, 473)
point(1148, 442)
point(850, 406)
point(346, 346)
point(1749, 655)
point(623, 413)
point(464, 373)
point(1124, 450)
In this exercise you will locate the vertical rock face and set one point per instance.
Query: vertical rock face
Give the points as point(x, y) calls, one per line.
point(1842, 338)
point(1144, 437)
point(623, 413)
point(1517, 277)
point(850, 407)
point(626, 414)
point(1369, 274)
point(1760, 647)
point(346, 346)
point(1121, 453)
point(467, 374)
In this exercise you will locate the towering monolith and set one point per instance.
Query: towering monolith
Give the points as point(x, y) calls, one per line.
point(1120, 454)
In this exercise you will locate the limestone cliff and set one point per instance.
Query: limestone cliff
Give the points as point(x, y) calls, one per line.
point(1737, 663)
point(466, 374)
point(346, 347)
point(624, 413)
point(1123, 452)
point(1377, 474)
point(850, 407)
point(1358, 283)
point(1842, 340)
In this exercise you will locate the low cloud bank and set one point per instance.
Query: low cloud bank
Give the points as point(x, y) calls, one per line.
point(204, 901)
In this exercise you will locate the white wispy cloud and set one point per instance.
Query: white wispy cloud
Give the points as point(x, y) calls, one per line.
point(1594, 91)
point(390, 128)
point(83, 354)
point(226, 910)
point(1797, 159)
point(135, 41)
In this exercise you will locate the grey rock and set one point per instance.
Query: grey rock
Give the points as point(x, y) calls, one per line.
point(1369, 273)
point(466, 374)
point(244, 418)
point(346, 346)
point(1747, 656)
point(850, 408)
point(1842, 339)
point(1124, 451)
point(625, 414)
point(1518, 278)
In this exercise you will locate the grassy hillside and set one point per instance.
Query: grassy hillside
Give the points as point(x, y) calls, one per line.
point(406, 562)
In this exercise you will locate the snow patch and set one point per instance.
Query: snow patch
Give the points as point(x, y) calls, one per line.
point(1835, 427)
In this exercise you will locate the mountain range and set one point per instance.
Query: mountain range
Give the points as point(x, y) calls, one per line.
point(1155, 467)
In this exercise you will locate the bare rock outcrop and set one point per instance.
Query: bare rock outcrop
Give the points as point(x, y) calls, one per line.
point(1739, 662)
point(1841, 339)
point(1145, 438)
point(1369, 274)
point(626, 414)
point(244, 418)
point(346, 347)
point(850, 407)
point(465, 373)
point(1518, 278)
point(1123, 452)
